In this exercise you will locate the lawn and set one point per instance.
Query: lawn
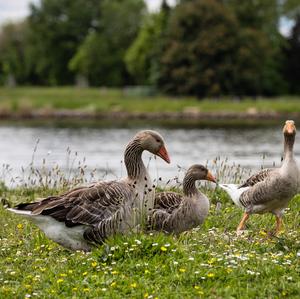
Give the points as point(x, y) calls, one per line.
point(208, 262)
point(25, 99)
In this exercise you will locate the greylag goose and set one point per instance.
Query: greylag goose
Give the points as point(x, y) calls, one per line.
point(270, 190)
point(90, 214)
point(177, 213)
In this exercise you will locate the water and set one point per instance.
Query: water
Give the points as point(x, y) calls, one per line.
point(103, 148)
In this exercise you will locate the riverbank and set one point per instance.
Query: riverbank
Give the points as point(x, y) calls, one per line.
point(119, 106)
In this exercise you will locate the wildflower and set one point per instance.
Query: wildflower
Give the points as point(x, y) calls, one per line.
point(154, 244)
point(182, 270)
point(60, 280)
point(146, 295)
point(133, 285)
point(94, 264)
point(113, 284)
point(138, 242)
point(84, 273)
point(74, 289)
point(86, 290)
point(163, 248)
point(147, 271)
point(63, 274)
point(210, 275)
point(20, 226)
point(262, 233)
point(114, 272)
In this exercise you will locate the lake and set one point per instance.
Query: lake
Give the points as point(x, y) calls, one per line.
point(102, 149)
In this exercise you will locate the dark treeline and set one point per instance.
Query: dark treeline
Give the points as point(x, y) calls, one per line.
point(198, 47)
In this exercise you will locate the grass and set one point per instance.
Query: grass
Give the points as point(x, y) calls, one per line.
point(23, 99)
point(207, 262)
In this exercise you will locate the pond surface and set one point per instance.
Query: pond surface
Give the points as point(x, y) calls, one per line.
point(103, 149)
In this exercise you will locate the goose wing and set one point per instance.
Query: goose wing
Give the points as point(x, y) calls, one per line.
point(101, 206)
point(258, 177)
point(167, 201)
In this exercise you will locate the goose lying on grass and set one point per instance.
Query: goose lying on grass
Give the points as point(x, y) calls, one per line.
point(90, 214)
point(270, 190)
point(177, 213)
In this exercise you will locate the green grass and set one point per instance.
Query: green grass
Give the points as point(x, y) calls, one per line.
point(208, 262)
point(106, 100)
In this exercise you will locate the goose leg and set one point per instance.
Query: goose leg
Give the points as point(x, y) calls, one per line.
point(241, 226)
point(278, 225)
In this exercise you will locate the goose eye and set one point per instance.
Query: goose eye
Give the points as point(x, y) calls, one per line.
point(157, 140)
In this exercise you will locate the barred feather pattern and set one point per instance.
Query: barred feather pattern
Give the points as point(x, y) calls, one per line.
point(176, 213)
point(258, 177)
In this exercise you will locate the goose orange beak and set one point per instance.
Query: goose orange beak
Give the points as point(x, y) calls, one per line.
point(163, 154)
point(289, 127)
point(210, 178)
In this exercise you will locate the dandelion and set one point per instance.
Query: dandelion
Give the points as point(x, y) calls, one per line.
point(60, 280)
point(20, 226)
point(84, 273)
point(147, 271)
point(182, 270)
point(210, 275)
point(63, 274)
point(133, 285)
point(163, 248)
point(113, 284)
point(74, 289)
point(114, 272)
point(86, 290)
point(94, 264)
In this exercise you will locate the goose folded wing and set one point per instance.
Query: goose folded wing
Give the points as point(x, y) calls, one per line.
point(167, 201)
point(257, 178)
point(86, 205)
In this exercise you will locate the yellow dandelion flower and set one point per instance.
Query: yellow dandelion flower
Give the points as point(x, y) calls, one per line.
point(147, 271)
point(84, 273)
point(94, 264)
point(262, 233)
point(182, 270)
point(60, 280)
point(200, 293)
point(114, 272)
point(86, 290)
point(212, 260)
point(20, 226)
point(43, 269)
point(70, 271)
point(133, 285)
point(74, 289)
point(113, 284)
point(210, 275)
point(63, 274)
point(196, 287)
point(228, 270)
point(163, 248)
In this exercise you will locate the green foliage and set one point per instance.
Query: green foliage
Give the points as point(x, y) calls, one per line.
point(143, 56)
point(13, 52)
point(57, 28)
point(101, 56)
point(292, 65)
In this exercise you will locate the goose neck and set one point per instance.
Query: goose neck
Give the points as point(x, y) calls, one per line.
point(189, 185)
point(133, 159)
point(288, 146)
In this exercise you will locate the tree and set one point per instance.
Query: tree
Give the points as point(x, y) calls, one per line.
point(143, 56)
point(200, 49)
point(101, 55)
point(13, 66)
point(57, 28)
point(292, 51)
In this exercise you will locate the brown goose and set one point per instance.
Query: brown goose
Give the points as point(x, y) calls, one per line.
point(270, 190)
point(90, 214)
point(176, 213)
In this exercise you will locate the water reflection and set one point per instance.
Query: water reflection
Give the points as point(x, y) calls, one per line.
point(103, 148)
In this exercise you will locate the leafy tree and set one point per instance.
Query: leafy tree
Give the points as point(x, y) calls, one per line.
point(101, 56)
point(200, 49)
point(13, 53)
point(143, 56)
point(57, 28)
point(292, 51)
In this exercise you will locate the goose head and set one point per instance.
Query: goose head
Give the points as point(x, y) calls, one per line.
point(200, 172)
point(289, 128)
point(154, 143)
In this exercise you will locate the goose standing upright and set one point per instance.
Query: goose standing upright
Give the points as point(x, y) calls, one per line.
point(177, 213)
point(270, 190)
point(90, 214)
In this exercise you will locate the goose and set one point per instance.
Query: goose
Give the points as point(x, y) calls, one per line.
point(87, 215)
point(176, 213)
point(270, 190)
